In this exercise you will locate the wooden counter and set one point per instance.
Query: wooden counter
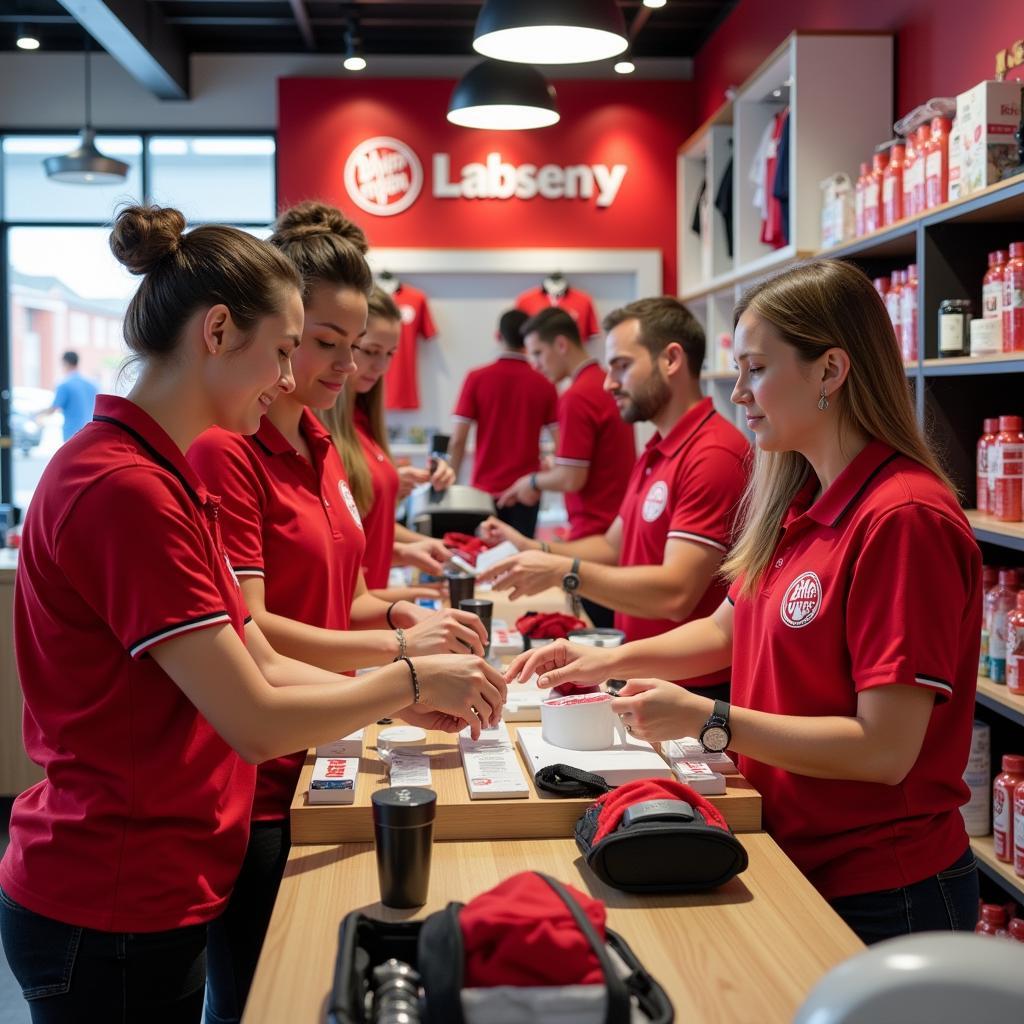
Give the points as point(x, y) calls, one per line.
point(746, 954)
point(539, 816)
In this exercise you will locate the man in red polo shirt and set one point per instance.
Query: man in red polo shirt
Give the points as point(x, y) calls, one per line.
point(596, 448)
point(510, 403)
point(657, 564)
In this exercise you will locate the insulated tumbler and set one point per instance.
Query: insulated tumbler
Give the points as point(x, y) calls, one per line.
point(460, 587)
point(403, 831)
point(483, 610)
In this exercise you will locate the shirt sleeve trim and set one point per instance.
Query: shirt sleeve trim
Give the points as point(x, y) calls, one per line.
point(462, 419)
point(201, 622)
point(582, 463)
point(247, 620)
point(248, 570)
point(934, 682)
point(683, 535)
point(731, 600)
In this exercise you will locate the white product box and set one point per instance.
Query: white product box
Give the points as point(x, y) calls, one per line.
point(987, 117)
point(621, 762)
point(522, 701)
point(334, 780)
point(699, 776)
point(506, 641)
point(347, 746)
point(492, 556)
point(690, 749)
point(491, 766)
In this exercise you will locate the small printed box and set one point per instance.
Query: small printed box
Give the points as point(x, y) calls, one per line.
point(334, 780)
point(987, 118)
point(347, 746)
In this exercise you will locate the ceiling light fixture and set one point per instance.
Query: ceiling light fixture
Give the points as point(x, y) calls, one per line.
point(86, 165)
point(550, 31)
point(655, 3)
point(25, 39)
point(354, 59)
point(503, 97)
point(624, 67)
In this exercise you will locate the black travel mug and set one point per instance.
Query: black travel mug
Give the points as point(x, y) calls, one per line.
point(484, 611)
point(461, 587)
point(403, 832)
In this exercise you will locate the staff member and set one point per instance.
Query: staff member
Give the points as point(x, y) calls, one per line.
point(356, 424)
point(852, 624)
point(142, 701)
point(596, 449)
point(510, 403)
point(294, 537)
point(658, 563)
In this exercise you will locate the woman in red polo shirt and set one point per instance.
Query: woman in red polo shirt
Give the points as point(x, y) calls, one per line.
point(853, 621)
point(356, 423)
point(146, 688)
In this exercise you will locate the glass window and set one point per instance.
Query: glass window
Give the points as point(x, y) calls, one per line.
point(30, 195)
point(214, 178)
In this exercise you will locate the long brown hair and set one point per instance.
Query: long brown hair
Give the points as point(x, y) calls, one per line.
point(340, 418)
point(816, 306)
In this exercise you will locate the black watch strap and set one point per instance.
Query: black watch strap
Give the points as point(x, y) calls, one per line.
point(721, 712)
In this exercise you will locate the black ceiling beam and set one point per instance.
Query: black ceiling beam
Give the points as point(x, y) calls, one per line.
point(138, 37)
point(302, 20)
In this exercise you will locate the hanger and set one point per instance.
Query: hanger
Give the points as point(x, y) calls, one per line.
point(388, 282)
point(555, 284)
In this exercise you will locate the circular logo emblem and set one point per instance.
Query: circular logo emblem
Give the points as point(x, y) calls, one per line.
point(408, 314)
point(801, 601)
point(383, 176)
point(350, 502)
point(655, 501)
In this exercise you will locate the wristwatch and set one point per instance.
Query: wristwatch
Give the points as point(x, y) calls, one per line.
point(571, 585)
point(716, 736)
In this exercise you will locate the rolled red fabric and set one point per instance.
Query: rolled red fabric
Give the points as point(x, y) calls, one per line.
point(614, 804)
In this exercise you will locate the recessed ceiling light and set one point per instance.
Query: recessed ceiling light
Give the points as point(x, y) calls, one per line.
point(654, 3)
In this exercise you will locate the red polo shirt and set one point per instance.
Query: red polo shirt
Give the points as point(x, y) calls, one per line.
point(876, 584)
point(296, 525)
point(686, 485)
point(401, 385)
point(577, 304)
point(379, 521)
point(510, 402)
point(592, 434)
point(141, 822)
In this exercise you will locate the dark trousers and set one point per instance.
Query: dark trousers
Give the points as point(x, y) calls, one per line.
point(69, 974)
point(603, 618)
point(520, 517)
point(236, 937)
point(946, 902)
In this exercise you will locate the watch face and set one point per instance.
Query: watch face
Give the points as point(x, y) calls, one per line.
point(570, 582)
point(715, 739)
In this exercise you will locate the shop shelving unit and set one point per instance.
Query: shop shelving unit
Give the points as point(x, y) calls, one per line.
point(949, 244)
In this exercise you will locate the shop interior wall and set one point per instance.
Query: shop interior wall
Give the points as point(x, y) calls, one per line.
point(942, 46)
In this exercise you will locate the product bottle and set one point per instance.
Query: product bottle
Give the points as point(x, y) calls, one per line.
point(1015, 647)
point(1018, 831)
point(910, 163)
point(908, 315)
point(936, 163)
point(1013, 299)
point(916, 171)
point(954, 327)
point(893, 303)
point(873, 189)
point(1016, 929)
point(989, 582)
point(858, 200)
point(882, 285)
point(1002, 600)
point(892, 183)
point(1002, 805)
point(977, 812)
point(991, 919)
point(985, 442)
point(956, 151)
point(992, 289)
point(1005, 466)
point(992, 596)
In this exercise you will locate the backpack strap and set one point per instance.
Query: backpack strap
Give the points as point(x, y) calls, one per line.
point(564, 780)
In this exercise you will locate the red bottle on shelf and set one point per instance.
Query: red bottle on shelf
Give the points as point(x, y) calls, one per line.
point(991, 919)
point(1015, 650)
point(1013, 299)
point(913, 179)
point(985, 442)
point(873, 190)
point(1018, 832)
point(893, 302)
point(1003, 789)
point(989, 582)
point(859, 197)
point(1005, 469)
point(908, 315)
point(936, 163)
point(882, 285)
point(992, 288)
point(999, 602)
point(892, 184)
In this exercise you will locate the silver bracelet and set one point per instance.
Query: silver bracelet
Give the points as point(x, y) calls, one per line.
point(400, 634)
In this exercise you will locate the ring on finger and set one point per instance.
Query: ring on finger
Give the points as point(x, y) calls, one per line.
point(629, 728)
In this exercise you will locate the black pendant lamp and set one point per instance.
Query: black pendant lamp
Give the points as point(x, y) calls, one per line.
point(503, 97)
point(86, 165)
point(550, 31)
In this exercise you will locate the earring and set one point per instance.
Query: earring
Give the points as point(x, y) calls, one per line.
point(823, 401)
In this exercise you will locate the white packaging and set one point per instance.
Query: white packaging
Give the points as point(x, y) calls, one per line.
point(689, 749)
point(491, 765)
point(625, 762)
point(580, 721)
point(977, 812)
point(987, 116)
point(838, 211)
point(506, 641)
point(986, 337)
point(955, 163)
point(699, 776)
point(408, 769)
point(347, 746)
point(523, 700)
point(334, 780)
point(492, 556)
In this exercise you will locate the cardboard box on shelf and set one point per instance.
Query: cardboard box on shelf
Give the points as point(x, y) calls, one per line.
point(987, 117)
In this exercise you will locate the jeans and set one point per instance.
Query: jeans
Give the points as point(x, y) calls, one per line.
point(945, 902)
point(236, 937)
point(520, 517)
point(69, 974)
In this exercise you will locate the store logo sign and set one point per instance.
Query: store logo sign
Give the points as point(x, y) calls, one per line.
point(802, 601)
point(383, 176)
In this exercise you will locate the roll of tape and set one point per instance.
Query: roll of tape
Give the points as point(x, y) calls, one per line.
point(583, 721)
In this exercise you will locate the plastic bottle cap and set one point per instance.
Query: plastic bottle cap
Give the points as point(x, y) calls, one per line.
point(1020, 600)
point(1016, 250)
point(1013, 763)
point(1001, 256)
point(991, 425)
point(989, 574)
point(1007, 577)
point(911, 271)
point(1010, 422)
point(993, 913)
point(1017, 929)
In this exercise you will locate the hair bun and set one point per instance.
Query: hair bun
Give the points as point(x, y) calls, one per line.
point(145, 235)
point(308, 219)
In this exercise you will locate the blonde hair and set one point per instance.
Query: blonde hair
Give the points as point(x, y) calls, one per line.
point(340, 418)
point(816, 306)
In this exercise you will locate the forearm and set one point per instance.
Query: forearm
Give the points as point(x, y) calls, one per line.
point(370, 612)
point(587, 549)
point(560, 478)
point(403, 535)
point(456, 453)
point(330, 649)
point(646, 591)
point(696, 648)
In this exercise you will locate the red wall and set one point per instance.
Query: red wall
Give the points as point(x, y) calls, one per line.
point(640, 124)
point(942, 46)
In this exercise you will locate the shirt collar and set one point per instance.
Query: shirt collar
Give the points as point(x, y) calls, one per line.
point(685, 427)
point(133, 420)
point(274, 442)
point(518, 356)
point(585, 365)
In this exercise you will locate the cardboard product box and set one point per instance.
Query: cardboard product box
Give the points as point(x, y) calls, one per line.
point(334, 780)
point(987, 116)
point(347, 746)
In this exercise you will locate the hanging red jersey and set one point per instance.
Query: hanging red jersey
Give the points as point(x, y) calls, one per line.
point(577, 304)
point(401, 385)
point(772, 231)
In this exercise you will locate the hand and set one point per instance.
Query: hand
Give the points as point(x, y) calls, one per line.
point(448, 631)
point(410, 477)
point(493, 531)
point(655, 709)
point(522, 492)
point(547, 462)
point(428, 555)
point(463, 687)
point(527, 573)
point(563, 662)
point(429, 718)
point(443, 476)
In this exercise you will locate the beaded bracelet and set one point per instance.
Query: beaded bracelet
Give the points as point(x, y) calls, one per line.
point(400, 636)
point(415, 679)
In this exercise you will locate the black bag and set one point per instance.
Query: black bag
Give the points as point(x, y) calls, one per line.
point(662, 846)
point(433, 947)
